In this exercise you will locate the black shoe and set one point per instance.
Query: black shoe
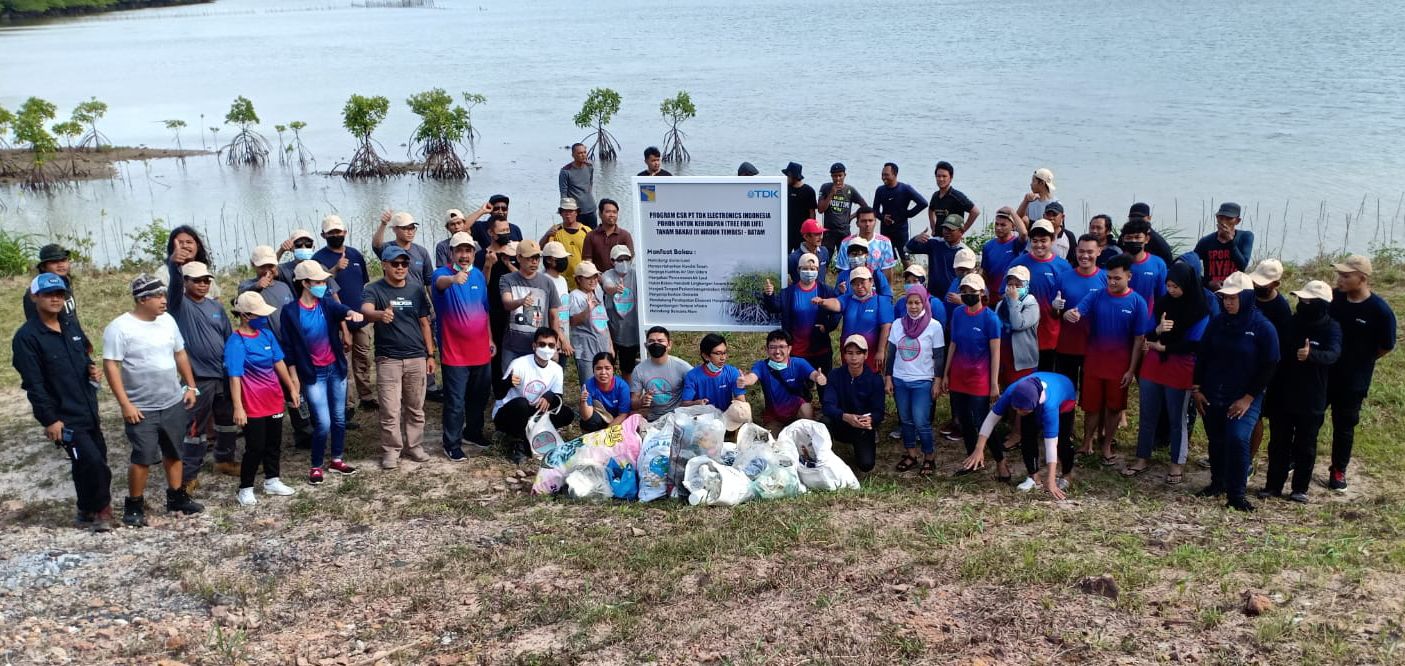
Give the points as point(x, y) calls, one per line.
point(179, 500)
point(1266, 493)
point(370, 405)
point(434, 396)
point(83, 521)
point(1337, 481)
point(455, 454)
point(1300, 498)
point(302, 445)
point(1240, 504)
point(1210, 491)
point(352, 425)
point(134, 512)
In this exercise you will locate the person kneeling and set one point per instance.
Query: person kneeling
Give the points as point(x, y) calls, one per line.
point(536, 389)
point(785, 381)
point(606, 390)
point(853, 404)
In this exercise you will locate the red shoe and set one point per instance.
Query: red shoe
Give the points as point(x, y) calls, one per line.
point(314, 477)
point(340, 467)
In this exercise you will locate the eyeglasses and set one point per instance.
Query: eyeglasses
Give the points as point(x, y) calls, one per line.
point(399, 264)
point(501, 208)
point(718, 352)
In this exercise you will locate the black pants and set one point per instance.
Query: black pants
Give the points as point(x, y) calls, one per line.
point(1346, 413)
point(1032, 443)
point(1292, 439)
point(628, 357)
point(1071, 366)
point(465, 399)
point(970, 411)
point(302, 424)
point(832, 239)
point(1046, 360)
point(898, 233)
point(865, 442)
point(263, 442)
point(92, 478)
point(512, 417)
point(594, 423)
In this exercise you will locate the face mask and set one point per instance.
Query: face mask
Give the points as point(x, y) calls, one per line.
point(503, 239)
point(1312, 309)
point(302, 253)
point(809, 276)
point(622, 267)
point(656, 350)
point(777, 365)
point(545, 353)
point(1133, 247)
point(257, 323)
point(1261, 292)
point(861, 260)
point(560, 264)
point(971, 300)
point(713, 368)
point(319, 290)
point(1022, 291)
point(335, 242)
point(917, 316)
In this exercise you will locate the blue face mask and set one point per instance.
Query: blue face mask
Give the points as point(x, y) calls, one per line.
point(302, 253)
point(809, 276)
point(777, 365)
point(258, 322)
point(1023, 291)
point(713, 368)
point(318, 290)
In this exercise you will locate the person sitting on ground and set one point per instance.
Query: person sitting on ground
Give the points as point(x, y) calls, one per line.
point(1038, 399)
point(258, 380)
point(912, 375)
point(537, 388)
point(604, 397)
point(785, 381)
point(853, 405)
point(713, 382)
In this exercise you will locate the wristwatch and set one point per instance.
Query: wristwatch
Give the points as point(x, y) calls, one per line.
point(191, 388)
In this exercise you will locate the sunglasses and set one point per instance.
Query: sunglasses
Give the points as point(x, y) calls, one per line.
point(399, 264)
point(303, 244)
point(202, 280)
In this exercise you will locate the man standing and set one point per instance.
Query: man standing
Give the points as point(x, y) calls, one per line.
point(483, 229)
point(1157, 244)
point(421, 264)
point(1228, 249)
point(801, 203)
point(621, 290)
point(144, 359)
point(837, 200)
point(531, 302)
point(461, 299)
point(601, 241)
point(54, 259)
point(348, 269)
point(1368, 333)
point(204, 327)
point(577, 182)
point(948, 200)
point(456, 222)
point(501, 260)
point(1100, 228)
point(1009, 242)
point(1041, 193)
point(895, 203)
point(404, 356)
point(653, 163)
point(1148, 271)
point(881, 255)
point(1045, 270)
point(657, 384)
point(1085, 279)
point(571, 234)
point(1064, 240)
point(50, 353)
point(301, 244)
point(941, 253)
point(812, 235)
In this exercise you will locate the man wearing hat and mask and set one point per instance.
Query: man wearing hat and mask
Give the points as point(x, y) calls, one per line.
point(303, 246)
point(494, 229)
point(1266, 277)
point(837, 200)
point(1309, 343)
point(1368, 333)
point(50, 353)
point(405, 228)
point(603, 238)
point(571, 233)
point(204, 327)
point(461, 299)
point(1228, 249)
point(349, 277)
point(801, 205)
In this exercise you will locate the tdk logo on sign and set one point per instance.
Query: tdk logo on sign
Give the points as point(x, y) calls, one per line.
point(646, 193)
point(763, 194)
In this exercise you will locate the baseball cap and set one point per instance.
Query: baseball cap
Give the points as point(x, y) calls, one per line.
point(568, 203)
point(837, 167)
point(391, 252)
point(44, 283)
point(586, 269)
point(808, 257)
point(1043, 226)
point(794, 170)
point(52, 252)
point(1268, 270)
point(974, 281)
point(747, 169)
point(510, 249)
point(915, 269)
point(144, 286)
point(1139, 209)
point(1054, 207)
point(455, 214)
point(332, 223)
point(1235, 283)
point(263, 255)
point(1006, 212)
point(529, 248)
point(401, 219)
point(812, 226)
point(1315, 289)
point(1025, 395)
point(620, 251)
point(499, 198)
point(1045, 175)
point(299, 234)
point(1354, 264)
point(861, 272)
point(953, 221)
point(310, 270)
point(965, 258)
point(462, 238)
point(737, 414)
point(1229, 209)
point(858, 241)
point(856, 340)
point(195, 269)
point(555, 250)
point(1019, 273)
point(252, 303)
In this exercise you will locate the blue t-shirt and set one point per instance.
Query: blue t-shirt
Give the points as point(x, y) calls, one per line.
point(615, 400)
point(1074, 286)
point(1149, 279)
point(787, 389)
point(1043, 285)
point(718, 389)
point(1059, 396)
point(351, 281)
point(312, 323)
point(864, 317)
point(971, 334)
point(1113, 324)
point(996, 256)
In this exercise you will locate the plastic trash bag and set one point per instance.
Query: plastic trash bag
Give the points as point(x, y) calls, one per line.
point(549, 481)
point(617, 442)
point(697, 431)
point(712, 483)
point(542, 435)
point(819, 466)
point(771, 466)
point(652, 464)
point(624, 480)
point(588, 481)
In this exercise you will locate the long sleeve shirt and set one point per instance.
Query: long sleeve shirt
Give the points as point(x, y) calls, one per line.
point(1236, 358)
point(899, 203)
point(847, 394)
point(203, 324)
point(53, 368)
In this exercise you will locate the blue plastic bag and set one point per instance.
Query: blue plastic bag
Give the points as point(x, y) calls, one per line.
point(624, 480)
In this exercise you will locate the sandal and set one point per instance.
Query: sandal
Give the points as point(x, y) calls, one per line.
point(1174, 479)
point(1130, 472)
point(929, 467)
point(908, 462)
point(1109, 461)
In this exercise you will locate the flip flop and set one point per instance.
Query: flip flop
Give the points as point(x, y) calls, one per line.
point(1175, 479)
point(1130, 472)
point(1109, 461)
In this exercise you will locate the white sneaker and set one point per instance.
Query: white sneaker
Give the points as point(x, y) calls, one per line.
point(246, 497)
point(896, 434)
point(1026, 485)
point(274, 486)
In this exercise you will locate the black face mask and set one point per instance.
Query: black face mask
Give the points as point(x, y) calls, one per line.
point(335, 242)
point(1261, 292)
point(971, 300)
point(1312, 309)
point(1132, 247)
point(560, 264)
point(503, 239)
point(656, 350)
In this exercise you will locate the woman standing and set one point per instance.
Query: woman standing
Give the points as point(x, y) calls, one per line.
point(1312, 342)
point(255, 365)
point(972, 366)
point(916, 350)
point(1168, 368)
point(1235, 363)
point(311, 332)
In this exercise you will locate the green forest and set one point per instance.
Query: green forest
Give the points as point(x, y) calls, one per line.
point(42, 7)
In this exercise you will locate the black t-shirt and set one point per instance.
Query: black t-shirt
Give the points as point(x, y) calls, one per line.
point(954, 201)
point(836, 216)
point(802, 201)
point(1368, 328)
point(662, 172)
point(402, 338)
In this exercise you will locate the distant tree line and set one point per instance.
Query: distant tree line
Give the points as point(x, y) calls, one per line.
point(28, 8)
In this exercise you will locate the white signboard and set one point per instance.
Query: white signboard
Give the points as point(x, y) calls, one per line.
point(705, 247)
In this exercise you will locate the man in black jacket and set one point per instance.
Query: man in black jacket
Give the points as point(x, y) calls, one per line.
point(60, 380)
point(1309, 343)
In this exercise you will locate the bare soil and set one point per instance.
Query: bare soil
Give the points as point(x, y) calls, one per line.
point(70, 165)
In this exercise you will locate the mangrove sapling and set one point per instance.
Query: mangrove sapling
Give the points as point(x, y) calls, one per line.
point(30, 131)
point(442, 126)
point(7, 120)
point(361, 116)
point(471, 100)
point(247, 147)
point(675, 110)
point(88, 113)
point(600, 106)
point(282, 150)
point(68, 130)
point(175, 126)
point(214, 139)
point(304, 155)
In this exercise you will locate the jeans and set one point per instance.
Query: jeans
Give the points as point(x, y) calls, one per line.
point(1158, 401)
point(400, 386)
point(1346, 413)
point(865, 442)
point(1292, 440)
point(466, 390)
point(263, 443)
point(970, 411)
point(1229, 446)
point(92, 478)
point(914, 400)
point(326, 400)
point(595, 423)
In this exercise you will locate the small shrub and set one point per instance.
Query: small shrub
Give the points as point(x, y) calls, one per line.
point(18, 253)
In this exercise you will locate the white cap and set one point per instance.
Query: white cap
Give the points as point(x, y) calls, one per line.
point(555, 250)
point(974, 281)
point(332, 222)
point(860, 272)
point(455, 214)
point(1045, 175)
point(1235, 283)
point(859, 241)
point(251, 302)
point(1315, 289)
point(1042, 224)
point(302, 233)
point(965, 258)
point(915, 269)
point(586, 269)
point(1018, 272)
point(857, 340)
point(738, 413)
point(401, 219)
point(263, 255)
point(1268, 270)
point(195, 269)
point(462, 238)
point(310, 270)
point(620, 251)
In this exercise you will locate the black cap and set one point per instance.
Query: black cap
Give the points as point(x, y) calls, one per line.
point(837, 167)
point(52, 252)
point(498, 198)
point(748, 169)
point(1054, 206)
point(1228, 209)
point(794, 170)
point(1139, 209)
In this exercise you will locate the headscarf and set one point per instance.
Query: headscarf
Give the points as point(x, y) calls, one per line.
point(913, 328)
point(1184, 312)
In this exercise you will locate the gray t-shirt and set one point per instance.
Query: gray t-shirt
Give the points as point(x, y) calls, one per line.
point(624, 317)
point(146, 352)
point(204, 325)
point(402, 338)
point(592, 337)
point(277, 294)
point(836, 216)
point(523, 322)
point(577, 183)
point(663, 382)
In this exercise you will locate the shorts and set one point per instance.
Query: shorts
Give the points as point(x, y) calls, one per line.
point(155, 438)
point(1100, 393)
point(783, 413)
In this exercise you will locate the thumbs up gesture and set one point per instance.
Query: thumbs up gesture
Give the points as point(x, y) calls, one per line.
point(770, 287)
point(1058, 302)
point(1307, 348)
point(1073, 316)
point(1165, 324)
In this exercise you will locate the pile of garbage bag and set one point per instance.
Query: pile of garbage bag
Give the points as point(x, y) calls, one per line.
point(686, 455)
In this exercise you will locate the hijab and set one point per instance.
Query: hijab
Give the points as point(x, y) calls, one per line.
point(913, 327)
point(1185, 311)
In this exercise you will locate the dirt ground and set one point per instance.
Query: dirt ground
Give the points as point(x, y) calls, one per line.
point(67, 165)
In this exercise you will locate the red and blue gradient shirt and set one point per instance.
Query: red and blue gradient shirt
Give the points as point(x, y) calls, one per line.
point(1149, 279)
point(461, 313)
point(1058, 397)
point(783, 389)
point(971, 333)
point(1075, 286)
point(996, 256)
point(805, 315)
point(251, 358)
point(1044, 277)
point(863, 318)
point(312, 323)
point(1114, 322)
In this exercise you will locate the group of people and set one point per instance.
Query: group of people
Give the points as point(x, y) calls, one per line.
point(1039, 322)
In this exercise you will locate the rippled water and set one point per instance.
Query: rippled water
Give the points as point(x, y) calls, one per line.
point(1182, 104)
